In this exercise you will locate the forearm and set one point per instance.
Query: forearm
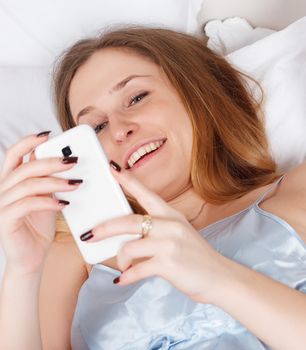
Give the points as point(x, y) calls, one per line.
point(19, 317)
point(273, 312)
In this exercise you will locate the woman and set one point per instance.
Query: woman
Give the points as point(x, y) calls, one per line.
point(220, 264)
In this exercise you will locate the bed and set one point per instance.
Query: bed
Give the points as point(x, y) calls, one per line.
point(265, 38)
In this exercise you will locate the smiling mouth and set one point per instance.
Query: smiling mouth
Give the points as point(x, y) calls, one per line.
point(143, 159)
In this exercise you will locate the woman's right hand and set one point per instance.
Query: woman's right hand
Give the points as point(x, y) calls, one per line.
point(27, 206)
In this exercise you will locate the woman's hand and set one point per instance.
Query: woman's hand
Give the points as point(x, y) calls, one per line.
point(27, 208)
point(173, 249)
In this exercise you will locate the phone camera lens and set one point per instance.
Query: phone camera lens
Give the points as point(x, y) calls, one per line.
point(66, 151)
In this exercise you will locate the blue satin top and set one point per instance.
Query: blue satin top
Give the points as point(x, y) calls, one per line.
point(152, 314)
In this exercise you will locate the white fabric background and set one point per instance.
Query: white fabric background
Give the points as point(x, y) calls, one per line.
point(35, 31)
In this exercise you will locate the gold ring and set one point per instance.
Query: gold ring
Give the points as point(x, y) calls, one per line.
point(146, 225)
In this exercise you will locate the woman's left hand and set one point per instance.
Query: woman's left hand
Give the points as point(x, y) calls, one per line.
point(174, 250)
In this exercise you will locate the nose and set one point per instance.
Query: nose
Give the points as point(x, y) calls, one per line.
point(121, 130)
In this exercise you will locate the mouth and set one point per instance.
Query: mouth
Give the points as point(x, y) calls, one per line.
point(150, 152)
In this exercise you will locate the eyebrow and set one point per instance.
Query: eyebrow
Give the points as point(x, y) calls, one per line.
point(116, 88)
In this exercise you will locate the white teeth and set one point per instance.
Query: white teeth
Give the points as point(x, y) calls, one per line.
point(153, 147)
point(148, 148)
point(136, 156)
point(142, 151)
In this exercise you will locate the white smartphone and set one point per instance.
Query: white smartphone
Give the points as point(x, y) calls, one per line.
point(97, 199)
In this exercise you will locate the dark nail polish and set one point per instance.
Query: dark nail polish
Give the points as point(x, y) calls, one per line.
point(73, 182)
point(43, 133)
point(86, 236)
point(116, 280)
point(68, 160)
point(61, 201)
point(115, 165)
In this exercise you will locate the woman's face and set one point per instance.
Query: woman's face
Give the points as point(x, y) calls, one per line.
point(132, 105)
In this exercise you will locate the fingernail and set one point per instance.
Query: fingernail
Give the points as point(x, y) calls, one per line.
point(68, 160)
point(63, 202)
point(86, 236)
point(73, 182)
point(115, 165)
point(43, 133)
point(116, 280)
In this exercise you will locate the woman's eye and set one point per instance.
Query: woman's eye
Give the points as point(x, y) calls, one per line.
point(137, 98)
point(99, 127)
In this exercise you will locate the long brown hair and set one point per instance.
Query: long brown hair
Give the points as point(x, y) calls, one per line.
point(230, 153)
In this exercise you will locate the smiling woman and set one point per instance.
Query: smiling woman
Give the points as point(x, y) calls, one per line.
point(136, 100)
point(198, 104)
point(186, 141)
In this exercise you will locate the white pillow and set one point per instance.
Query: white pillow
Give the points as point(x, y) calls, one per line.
point(232, 34)
point(26, 107)
point(275, 14)
point(35, 31)
point(278, 62)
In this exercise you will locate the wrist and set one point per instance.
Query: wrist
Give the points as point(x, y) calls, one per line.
point(232, 282)
point(225, 280)
point(19, 310)
point(18, 274)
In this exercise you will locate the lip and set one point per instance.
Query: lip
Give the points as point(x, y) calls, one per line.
point(135, 148)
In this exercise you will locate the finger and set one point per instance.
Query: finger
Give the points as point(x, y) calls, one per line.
point(138, 272)
point(133, 250)
point(15, 153)
point(128, 224)
point(35, 186)
point(40, 167)
point(32, 156)
point(14, 212)
point(149, 200)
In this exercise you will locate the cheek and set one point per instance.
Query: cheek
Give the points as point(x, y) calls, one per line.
point(186, 145)
point(185, 135)
point(181, 151)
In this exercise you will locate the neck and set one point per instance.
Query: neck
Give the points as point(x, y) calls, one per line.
point(188, 202)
